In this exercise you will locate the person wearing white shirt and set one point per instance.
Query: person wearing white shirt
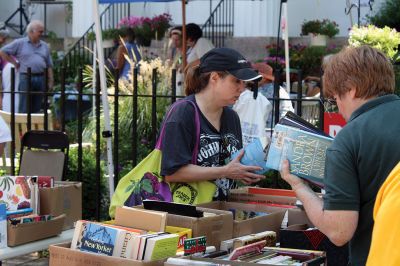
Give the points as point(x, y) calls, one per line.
point(197, 43)
point(5, 135)
point(266, 87)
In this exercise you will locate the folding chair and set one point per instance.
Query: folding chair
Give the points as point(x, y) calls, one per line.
point(44, 153)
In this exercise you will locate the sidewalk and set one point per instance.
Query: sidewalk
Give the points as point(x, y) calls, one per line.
point(28, 260)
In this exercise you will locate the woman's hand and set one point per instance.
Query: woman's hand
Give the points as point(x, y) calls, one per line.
point(236, 170)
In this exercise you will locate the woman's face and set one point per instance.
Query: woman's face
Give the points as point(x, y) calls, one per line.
point(228, 89)
point(176, 40)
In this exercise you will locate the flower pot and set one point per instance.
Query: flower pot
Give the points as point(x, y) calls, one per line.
point(318, 40)
point(108, 43)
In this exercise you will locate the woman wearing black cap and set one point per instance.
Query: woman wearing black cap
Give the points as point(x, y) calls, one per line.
point(213, 85)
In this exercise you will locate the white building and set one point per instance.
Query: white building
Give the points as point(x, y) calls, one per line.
point(251, 18)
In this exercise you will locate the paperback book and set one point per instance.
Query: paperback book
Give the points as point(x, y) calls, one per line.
point(255, 154)
point(305, 150)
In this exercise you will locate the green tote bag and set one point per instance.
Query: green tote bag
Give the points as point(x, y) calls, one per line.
point(145, 182)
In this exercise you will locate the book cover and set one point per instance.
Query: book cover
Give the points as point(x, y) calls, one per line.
point(140, 246)
point(161, 247)
point(253, 248)
point(45, 181)
point(3, 226)
point(125, 247)
point(254, 154)
point(195, 245)
point(16, 192)
point(77, 236)
point(305, 151)
point(100, 239)
point(184, 233)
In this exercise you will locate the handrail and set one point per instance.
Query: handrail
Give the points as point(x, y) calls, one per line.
point(81, 51)
point(220, 23)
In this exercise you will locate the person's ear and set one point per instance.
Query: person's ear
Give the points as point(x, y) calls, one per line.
point(214, 77)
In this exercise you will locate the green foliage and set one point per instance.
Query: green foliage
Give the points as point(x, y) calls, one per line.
point(309, 60)
point(89, 199)
point(324, 27)
point(108, 34)
point(385, 39)
point(388, 15)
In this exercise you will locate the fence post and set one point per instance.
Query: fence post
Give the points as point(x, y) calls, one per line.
point(134, 116)
point(154, 107)
point(80, 127)
point(62, 99)
point(45, 99)
point(29, 99)
point(98, 172)
point(12, 148)
point(116, 111)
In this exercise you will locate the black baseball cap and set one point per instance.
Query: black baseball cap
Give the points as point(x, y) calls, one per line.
point(226, 59)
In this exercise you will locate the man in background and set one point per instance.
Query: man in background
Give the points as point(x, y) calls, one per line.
point(30, 52)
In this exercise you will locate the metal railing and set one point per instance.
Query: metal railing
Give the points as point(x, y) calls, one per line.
point(82, 50)
point(220, 24)
point(134, 143)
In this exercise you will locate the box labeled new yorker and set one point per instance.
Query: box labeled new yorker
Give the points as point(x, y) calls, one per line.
point(305, 151)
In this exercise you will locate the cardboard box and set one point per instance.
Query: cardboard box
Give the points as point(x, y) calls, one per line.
point(297, 236)
point(140, 218)
point(61, 255)
point(272, 197)
point(65, 197)
point(28, 232)
point(319, 259)
point(270, 222)
point(217, 227)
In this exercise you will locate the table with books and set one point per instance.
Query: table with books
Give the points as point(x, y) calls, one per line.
point(11, 252)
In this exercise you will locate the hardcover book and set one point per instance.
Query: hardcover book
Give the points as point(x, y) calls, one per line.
point(306, 152)
point(18, 192)
point(254, 154)
point(183, 233)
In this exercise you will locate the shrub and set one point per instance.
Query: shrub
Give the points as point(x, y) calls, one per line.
point(324, 27)
point(388, 15)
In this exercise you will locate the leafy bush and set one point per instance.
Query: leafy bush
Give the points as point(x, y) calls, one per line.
point(388, 15)
point(385, 39)
point(89, 200)
point(324, 27)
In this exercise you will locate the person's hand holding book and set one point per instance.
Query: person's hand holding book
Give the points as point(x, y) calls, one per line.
point(294, 181)
point(244, 173)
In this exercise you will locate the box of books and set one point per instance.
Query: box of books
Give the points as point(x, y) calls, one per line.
point(250, 218)
point(282, 198)
point(62, 254)
point(300, 233)
point(64, 197)
point(29, 231)
point(255, 254)
point(215, 225)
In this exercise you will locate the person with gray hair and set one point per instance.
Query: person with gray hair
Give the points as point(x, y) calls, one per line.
point(31, 52)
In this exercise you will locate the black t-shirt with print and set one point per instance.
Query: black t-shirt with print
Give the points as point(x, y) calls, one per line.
point(214, 147)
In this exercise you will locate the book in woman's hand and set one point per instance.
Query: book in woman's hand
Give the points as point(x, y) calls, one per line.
point(254, 154)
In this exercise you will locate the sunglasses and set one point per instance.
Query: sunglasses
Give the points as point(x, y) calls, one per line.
point(330, 104)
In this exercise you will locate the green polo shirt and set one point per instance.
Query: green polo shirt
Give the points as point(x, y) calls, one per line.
point(358, 162)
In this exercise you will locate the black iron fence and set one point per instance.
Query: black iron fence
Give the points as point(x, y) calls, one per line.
point(132, 140)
